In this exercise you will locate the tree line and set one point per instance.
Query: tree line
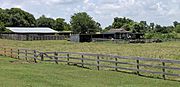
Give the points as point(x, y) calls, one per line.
point(15, 17)
point(150, 30)
point(82, 23)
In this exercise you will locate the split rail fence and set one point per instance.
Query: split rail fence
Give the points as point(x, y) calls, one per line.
point(151, 67)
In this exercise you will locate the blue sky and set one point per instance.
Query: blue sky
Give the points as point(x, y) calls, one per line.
point(162, 12)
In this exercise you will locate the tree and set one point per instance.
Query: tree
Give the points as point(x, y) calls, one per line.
point(175, 23)
point(143, 26)
point(152, 26)
point(144, 23)
point(83, 23)
point(59, 24)
point(67, 27)
point(136, 28)
point(127, 27)
point(18, 18)
point(158, 28)
point(2, 27)
point(177, 29)
point(43, 21)
point(120, 22)
point(107, 28)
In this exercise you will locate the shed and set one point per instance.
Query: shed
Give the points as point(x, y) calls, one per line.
point(81, 38)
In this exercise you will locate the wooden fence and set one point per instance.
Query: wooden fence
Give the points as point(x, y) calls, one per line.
point(32, 37)
point(152, 67)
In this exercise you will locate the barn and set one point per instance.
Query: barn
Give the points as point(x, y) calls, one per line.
point(122, 34)
point(119, 34)
point(31, 30)
point(32, 33)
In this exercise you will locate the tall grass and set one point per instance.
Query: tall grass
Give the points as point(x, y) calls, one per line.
point(170, 50)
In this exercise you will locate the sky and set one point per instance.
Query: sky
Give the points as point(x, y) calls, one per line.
point(162, 12)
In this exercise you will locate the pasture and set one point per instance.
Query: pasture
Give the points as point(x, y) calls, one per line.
point(167, 50)
point(17, 73)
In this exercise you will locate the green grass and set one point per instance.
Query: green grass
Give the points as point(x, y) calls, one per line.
point(169, 50)
point(22, 74)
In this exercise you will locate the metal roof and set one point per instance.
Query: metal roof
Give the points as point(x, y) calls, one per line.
point(31, 30)
point(113, 31)
point(65, 31)
point(121, 30)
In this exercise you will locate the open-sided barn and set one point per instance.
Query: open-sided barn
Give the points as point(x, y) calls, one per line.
point(111, 34)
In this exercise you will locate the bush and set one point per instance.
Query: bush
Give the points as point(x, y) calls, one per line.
point(160, 35)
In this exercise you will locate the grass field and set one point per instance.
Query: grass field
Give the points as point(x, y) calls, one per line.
point(16, 73)
point(169, 50)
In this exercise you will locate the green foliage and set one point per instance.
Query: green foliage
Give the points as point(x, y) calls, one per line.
point(59, 24)
point(16, 17)
point(107, 28)
point(175, 23)
point(119, 22)
point(127, 27)
point(43, 21)
point(152, 25)
point(130, 25)
point(2, 27)
point(160, 35)
point(83, 23)
point(177, 29)
point(80, 23)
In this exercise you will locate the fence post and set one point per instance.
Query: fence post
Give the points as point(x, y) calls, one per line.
point(4, 51)
point(42, 56)
point(11, 53)
point(137, 61)
point(116, 64)
point(55, 57)
point(98, 63)
point(18, 54)
point(163, 69)
point(82, 60)
point(26, 55)
point(35, 56)
point(68, 59)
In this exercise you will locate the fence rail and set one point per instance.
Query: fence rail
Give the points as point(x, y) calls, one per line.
point(164, 68)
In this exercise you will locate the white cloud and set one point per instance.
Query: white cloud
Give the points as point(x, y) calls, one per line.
point(159, 11)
